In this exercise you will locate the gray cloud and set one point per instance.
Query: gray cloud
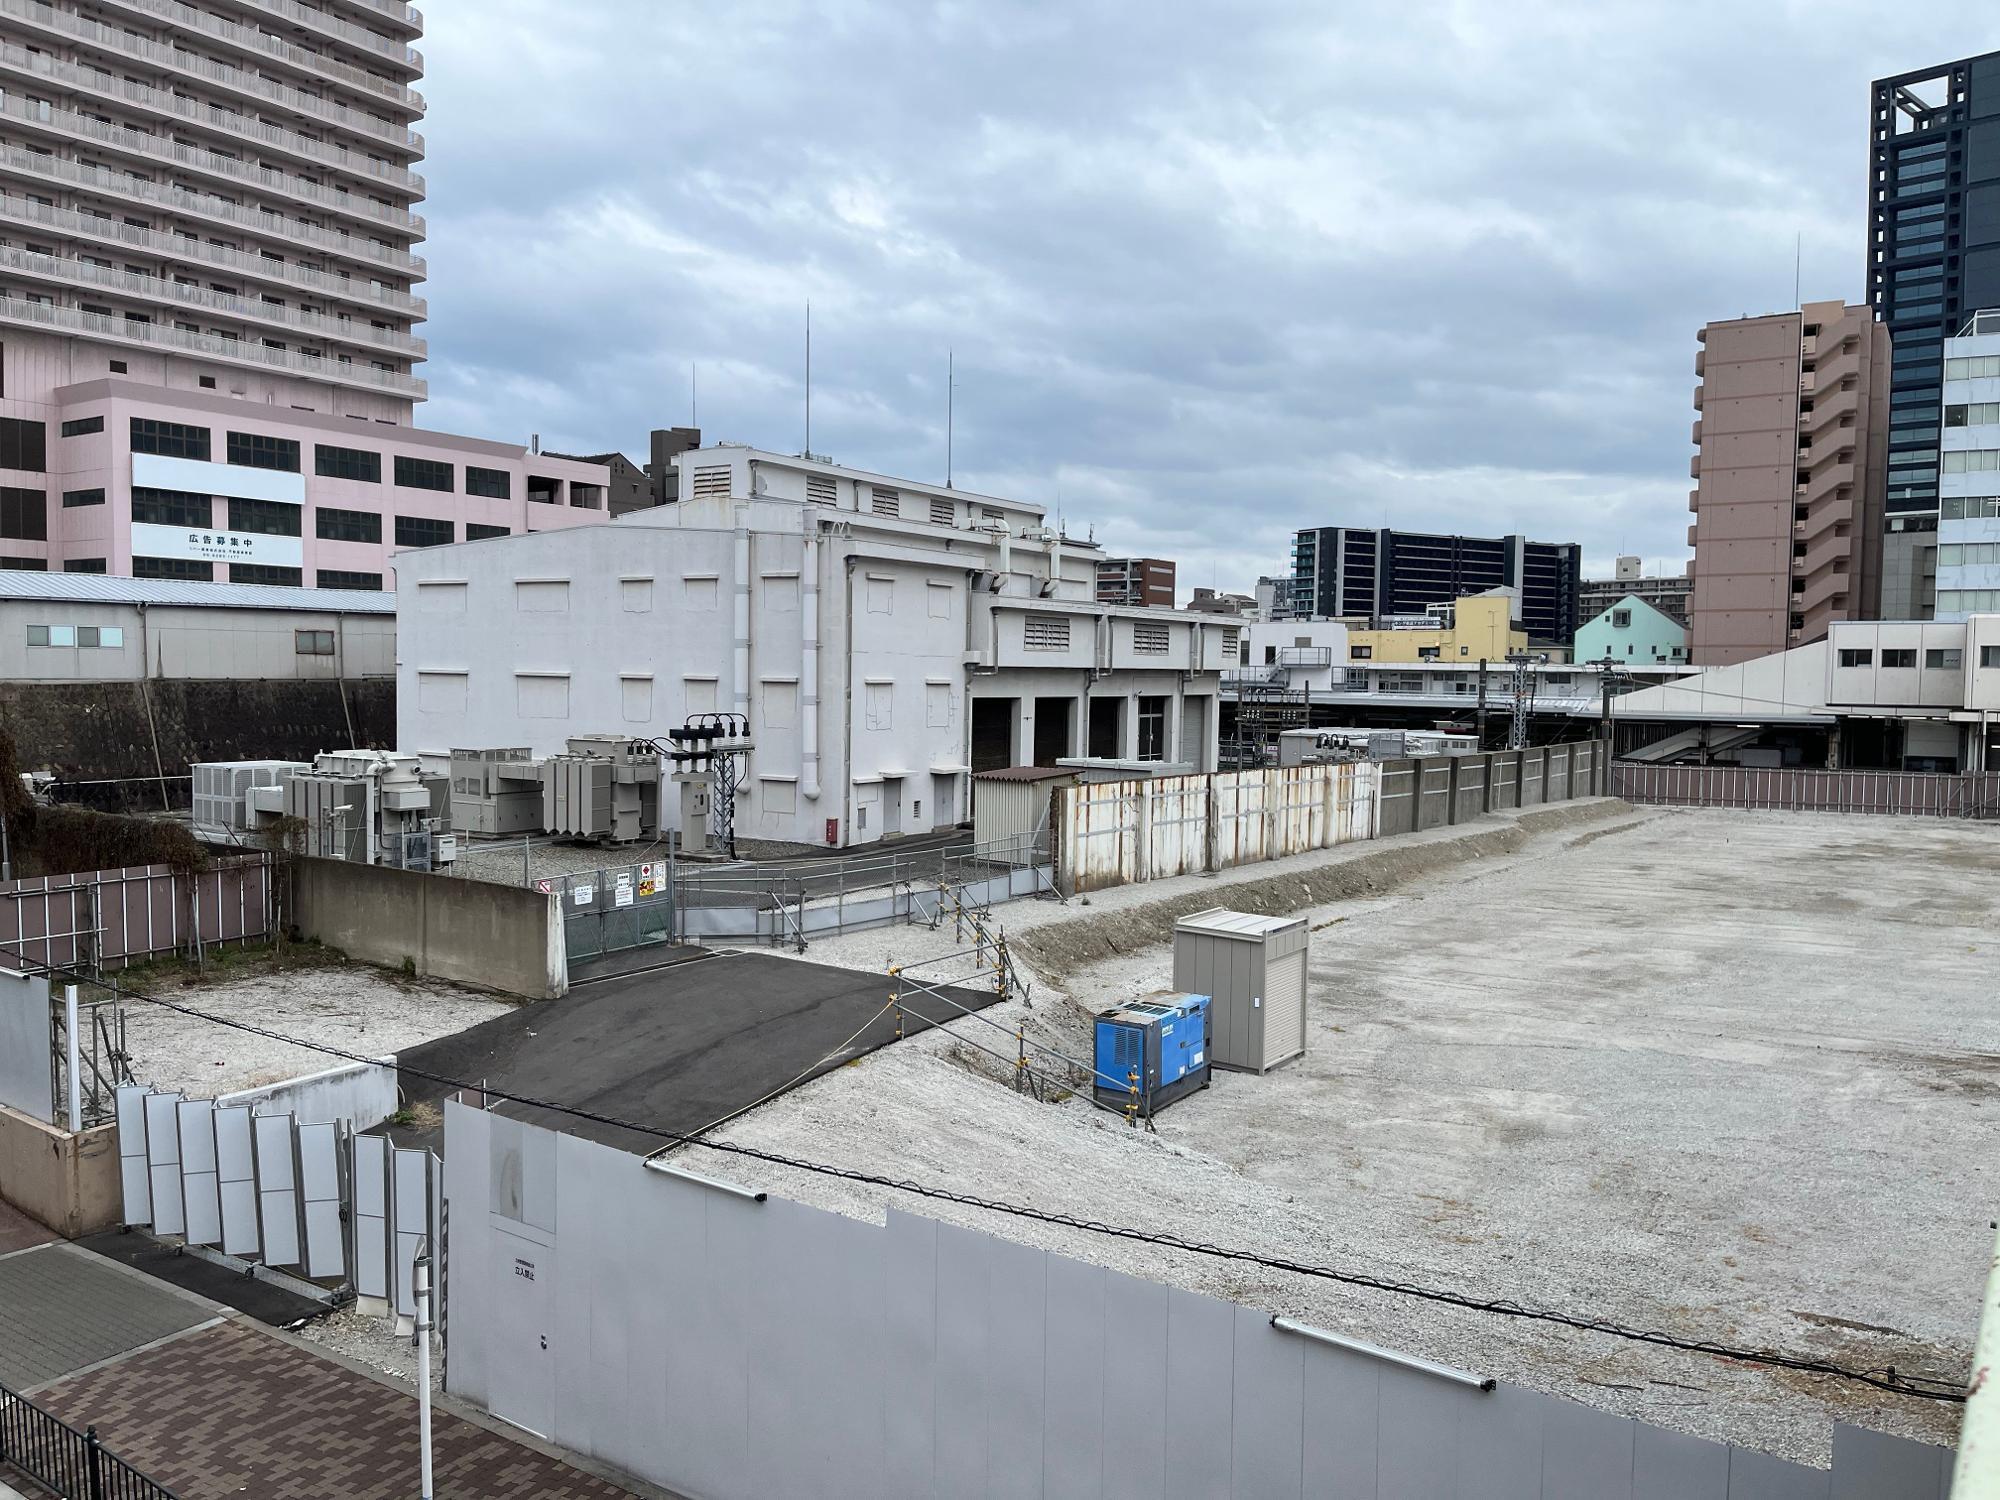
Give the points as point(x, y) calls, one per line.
point(1211, 272)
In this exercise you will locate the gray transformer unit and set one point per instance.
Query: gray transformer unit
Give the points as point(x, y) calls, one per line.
point(1254, 970)
point(496, 792)
point(603, 787)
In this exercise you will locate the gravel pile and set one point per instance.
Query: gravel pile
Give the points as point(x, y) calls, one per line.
point(1671, 1071)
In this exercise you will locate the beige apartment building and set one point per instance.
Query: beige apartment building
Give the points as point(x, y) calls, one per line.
point(1787, 533)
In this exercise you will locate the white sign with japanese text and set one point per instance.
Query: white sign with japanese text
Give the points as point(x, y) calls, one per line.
point(206, 544)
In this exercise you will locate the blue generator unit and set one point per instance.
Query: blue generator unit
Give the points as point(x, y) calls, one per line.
point(1164, 1042)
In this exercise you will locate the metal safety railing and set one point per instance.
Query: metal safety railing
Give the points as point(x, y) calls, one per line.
point(71, 1463)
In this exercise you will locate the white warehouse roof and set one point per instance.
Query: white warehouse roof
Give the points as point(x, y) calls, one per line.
point(99, 588)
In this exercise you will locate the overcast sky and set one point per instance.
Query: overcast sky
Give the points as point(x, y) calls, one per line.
point(1212, 272)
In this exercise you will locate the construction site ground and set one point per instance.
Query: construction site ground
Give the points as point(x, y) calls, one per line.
point(1732, 1076)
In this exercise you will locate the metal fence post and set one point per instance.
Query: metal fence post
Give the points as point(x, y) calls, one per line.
point(91, 1464)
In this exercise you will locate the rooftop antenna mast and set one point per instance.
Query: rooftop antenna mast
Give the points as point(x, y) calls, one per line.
point(694, 405)
point(809, 378)
point(950, 395)
point(1798, 264)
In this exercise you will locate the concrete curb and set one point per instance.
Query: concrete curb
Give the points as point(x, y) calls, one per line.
point(1058, 949)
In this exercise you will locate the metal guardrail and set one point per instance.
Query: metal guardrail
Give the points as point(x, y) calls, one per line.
point(68, 1462)
point(1933, 794)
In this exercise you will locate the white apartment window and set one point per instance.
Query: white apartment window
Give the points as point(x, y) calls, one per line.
point(1971, 460)
point(1849, 657)
point(1150, 640)
point(1047, 633)
point(943, 513)
point(1943, 659)
point(1968, 554)
point(885, 502)
point(1989, 657)
point(314, 642)
point(711, 481)
point(1972, 414)
point(110, 637)
point(1977, 367)
point(820, 489)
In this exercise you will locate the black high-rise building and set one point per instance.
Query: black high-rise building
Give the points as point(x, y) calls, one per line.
point(1339, 571)
point(1933, 261)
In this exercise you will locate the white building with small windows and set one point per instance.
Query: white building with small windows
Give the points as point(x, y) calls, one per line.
point(885, 638)
point(1968, 536)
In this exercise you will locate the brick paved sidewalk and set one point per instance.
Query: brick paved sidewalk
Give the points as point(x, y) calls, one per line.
point(231, 1411)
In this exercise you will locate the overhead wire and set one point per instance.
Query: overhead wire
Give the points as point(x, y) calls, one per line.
point(1883, 1378)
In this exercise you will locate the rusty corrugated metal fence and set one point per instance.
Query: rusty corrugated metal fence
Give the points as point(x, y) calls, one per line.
point(1114, 833)
point(1802, 789)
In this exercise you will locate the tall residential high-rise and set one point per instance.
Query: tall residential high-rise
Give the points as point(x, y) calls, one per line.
point(209, 300)
point(226, 194)
point(1788, 507)
point(1968, 554)
point(1343, 572)
point(1933, 260)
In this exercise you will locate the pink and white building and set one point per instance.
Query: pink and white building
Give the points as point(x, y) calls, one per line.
point(209, 301)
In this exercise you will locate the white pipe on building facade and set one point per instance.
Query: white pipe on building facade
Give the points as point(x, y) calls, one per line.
point(809, 665)
point(740, 686)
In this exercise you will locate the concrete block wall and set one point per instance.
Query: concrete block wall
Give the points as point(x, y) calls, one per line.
point(67, 1182)
point(499, 937)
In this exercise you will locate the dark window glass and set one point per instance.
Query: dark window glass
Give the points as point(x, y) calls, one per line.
point(169, 439)
point(493, 484)
point(264, 573)
point(25, 564)
point(335, 525)
point(270, 517)
point(82, 425)
point(421, 531)
point(335, 578)
point(74, 498)
point(23, 445)
point(423, 474)
point(586, 496)
point(254, 450)
point(475, 532)
point(172, 508)
point(84, 565)
point(172, 567)
point(543, 491)
point(24, 514)
point(347, 463)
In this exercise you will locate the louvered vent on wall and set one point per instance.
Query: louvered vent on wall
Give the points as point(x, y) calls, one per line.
point(943, 513)
point(711, 481)
point(885, 502)
point(819, 489)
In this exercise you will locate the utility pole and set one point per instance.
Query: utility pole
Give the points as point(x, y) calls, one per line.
point(1604, 706)
point(1517, 729)
point(1481, 720)
point(421, 1281)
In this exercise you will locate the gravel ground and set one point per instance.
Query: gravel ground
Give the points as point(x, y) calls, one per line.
point(1726, 1075)
point(374, 1342)
point(351, 1006)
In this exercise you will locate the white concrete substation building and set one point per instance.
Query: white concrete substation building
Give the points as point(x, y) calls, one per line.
point(884, 637)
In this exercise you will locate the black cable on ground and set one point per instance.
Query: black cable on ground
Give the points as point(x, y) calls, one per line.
point(1882, 1378)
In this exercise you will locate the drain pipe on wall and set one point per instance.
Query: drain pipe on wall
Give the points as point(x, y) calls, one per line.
point(740, 686)
point(809, 666)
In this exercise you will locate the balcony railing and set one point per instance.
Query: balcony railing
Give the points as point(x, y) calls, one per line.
point(190, 249)
point(66, 271)
point(163, 149)
point(276, 226)
point(220, 75)
point(250, 39)
point(69, 320)
point(82, 79)
point(1305, 656)
point(327, 24)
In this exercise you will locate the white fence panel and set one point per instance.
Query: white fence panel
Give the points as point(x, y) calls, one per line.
point(319, 1179)
point(163, 1159)
point(410, 1179)
point(200, 1187)
point(370, 1156)
point(236, 1178)
point(134, 1175)
point(277, 1188)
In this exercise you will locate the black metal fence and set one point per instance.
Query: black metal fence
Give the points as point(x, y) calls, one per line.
point(67, 1462)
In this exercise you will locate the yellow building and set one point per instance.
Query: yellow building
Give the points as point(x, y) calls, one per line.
point(1482, 629)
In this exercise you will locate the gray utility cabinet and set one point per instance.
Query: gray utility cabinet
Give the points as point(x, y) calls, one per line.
point(1253, 969)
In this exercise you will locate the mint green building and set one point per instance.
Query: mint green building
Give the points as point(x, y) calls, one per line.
point(1632, 631)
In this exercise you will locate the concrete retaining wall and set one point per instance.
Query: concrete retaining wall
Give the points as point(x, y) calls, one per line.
point(498, 936)
point(68, 1182)
point(110, 731)
point(361, 1093)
